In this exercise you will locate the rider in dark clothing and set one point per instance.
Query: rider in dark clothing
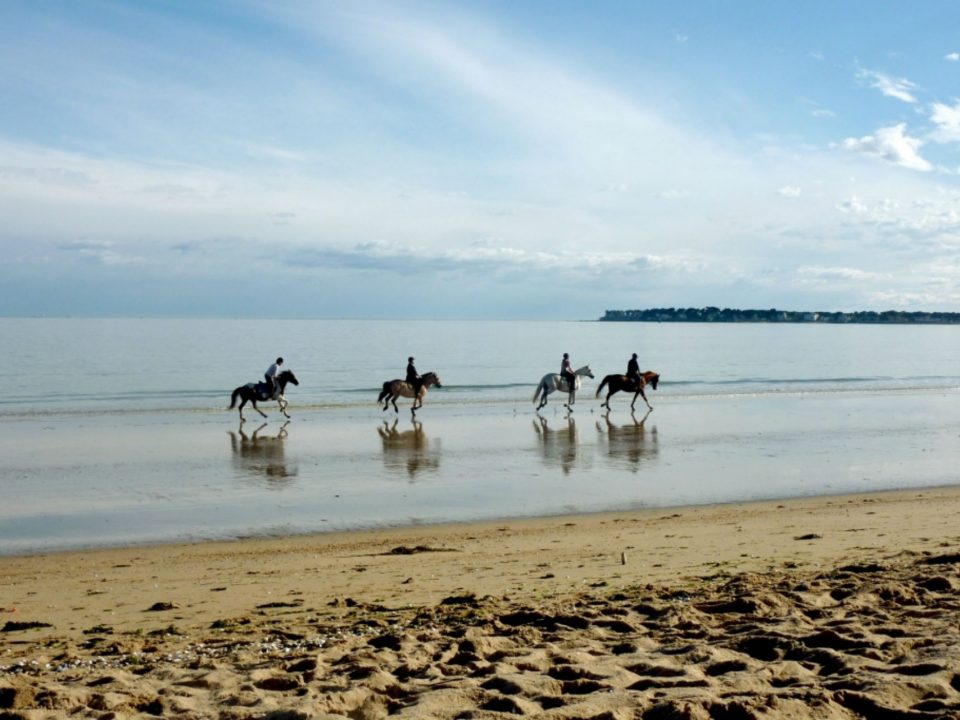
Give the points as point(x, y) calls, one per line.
point(566, 371)
point(633, 370)
point(413, 377)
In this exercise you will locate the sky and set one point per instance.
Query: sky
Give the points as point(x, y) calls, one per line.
point(467, 160)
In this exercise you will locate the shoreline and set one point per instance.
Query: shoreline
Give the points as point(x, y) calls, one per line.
point(327, 623)
point(451, 527)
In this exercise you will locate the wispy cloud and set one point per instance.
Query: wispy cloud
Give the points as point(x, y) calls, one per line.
point(100, 253)
point(899, 88)
point(789, 191)
point(952, 57)
point(830, 274)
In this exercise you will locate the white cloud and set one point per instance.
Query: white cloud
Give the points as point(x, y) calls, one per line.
point(853, 206)
point(823, 112)
point(893, 145)
point(947, 120)
point(952, 57)
point(790, 191)
point(898, 88)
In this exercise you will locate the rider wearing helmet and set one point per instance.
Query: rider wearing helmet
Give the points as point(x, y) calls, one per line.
point(566, 371)
point(633, 370)
point(413, 377)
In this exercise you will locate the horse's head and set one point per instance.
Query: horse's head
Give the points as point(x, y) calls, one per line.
point(287, 376)
point(652, 378)
point(585, 370)
point(431, 378)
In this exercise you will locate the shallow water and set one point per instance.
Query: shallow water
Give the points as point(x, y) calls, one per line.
point(114, 431)
point(89, 366)
point(109, 479)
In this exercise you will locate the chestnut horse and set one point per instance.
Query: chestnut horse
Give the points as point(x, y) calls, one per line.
point(392, 389)
point(616, 383)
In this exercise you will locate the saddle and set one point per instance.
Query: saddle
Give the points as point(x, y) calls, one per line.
point(262, 391)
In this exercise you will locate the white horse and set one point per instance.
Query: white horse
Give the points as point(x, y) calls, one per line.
point(554, 381)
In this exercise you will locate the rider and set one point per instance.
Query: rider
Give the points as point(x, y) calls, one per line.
point(633, 370)
point(413, 377)
point(271, 376)
point(566, 371)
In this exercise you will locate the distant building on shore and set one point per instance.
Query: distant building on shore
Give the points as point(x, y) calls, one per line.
point(730, 315)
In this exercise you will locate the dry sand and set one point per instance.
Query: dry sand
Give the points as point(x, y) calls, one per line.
point(843, 607)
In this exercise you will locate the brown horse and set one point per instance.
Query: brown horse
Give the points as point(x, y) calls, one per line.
point(616, 383)
point(392, 389)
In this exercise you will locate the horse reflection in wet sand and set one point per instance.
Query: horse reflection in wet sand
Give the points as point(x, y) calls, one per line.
point(630, 441)
point(262, 455)
point(559, 446)
point(616, 383)
point(408, 449)
point(392, 389)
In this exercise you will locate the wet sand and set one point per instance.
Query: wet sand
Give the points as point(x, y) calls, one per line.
point(839, 607)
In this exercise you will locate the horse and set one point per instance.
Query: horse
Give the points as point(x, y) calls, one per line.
point(252, 392)
point(553, 381)
point(616, 383)
point(392, 389)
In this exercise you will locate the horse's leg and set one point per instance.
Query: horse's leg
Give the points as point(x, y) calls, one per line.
point(254, 404)
point(606, 403)
point(633, 404)
point(282, 402)
point(240, 410)
point(393, 400)
point(543, 400)
point(644, 396)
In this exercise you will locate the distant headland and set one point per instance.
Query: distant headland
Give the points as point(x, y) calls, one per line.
point(731, 315)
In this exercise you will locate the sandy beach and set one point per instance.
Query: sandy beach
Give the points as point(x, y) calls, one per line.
point(831, 607)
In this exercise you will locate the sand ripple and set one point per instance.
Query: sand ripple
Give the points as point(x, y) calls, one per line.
point(876, 640)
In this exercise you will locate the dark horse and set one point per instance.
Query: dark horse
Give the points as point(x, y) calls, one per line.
point(616, 383)
point(252, 392)
point(392, 389)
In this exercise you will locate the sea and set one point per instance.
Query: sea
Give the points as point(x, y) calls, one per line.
point(116, 431)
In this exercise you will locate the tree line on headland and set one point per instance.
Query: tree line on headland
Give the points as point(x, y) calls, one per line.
point(732, 315)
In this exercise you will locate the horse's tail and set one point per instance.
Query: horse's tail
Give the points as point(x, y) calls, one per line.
point(384, 393)
point(540, 388)
point(233, 398)
point(599, 389)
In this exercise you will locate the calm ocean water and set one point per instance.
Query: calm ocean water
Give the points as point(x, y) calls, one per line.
point(115, 431)
point(56, 366)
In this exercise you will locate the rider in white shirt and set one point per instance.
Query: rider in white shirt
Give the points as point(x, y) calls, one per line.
point(271, 376)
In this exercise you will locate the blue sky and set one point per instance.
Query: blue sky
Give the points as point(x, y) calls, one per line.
point(469, 160)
